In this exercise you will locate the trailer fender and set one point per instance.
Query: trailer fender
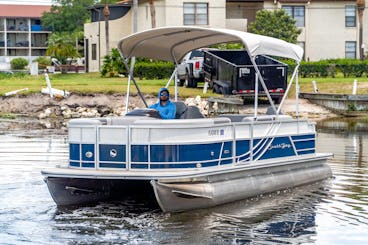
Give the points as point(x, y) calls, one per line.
point(223, 86)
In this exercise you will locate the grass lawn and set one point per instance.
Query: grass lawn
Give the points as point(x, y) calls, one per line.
point(94, 83)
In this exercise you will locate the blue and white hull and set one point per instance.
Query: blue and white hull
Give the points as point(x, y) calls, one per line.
point(190, 163)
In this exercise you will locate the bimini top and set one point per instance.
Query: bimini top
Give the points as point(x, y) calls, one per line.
point(172, 43)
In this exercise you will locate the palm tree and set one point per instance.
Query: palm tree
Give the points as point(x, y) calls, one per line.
point(361, 7)
point(62, 46)
point(106, 12)
point(153, 13)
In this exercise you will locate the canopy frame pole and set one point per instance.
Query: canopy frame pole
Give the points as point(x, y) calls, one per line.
point(173, 75)
point(127, 95)
point(263, 85)
point(131, 77)
point(256, 96)
point(297, 95)
point(295, 72)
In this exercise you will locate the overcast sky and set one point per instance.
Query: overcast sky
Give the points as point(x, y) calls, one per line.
point(30, 2)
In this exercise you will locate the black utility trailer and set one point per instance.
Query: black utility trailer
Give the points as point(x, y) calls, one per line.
point(230, 72)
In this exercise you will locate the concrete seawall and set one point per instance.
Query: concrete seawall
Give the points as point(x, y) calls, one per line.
point(340, 103)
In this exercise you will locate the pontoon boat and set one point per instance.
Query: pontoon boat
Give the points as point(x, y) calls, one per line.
point(190, 162)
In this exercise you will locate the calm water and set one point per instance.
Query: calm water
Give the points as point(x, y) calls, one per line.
point(332, 212)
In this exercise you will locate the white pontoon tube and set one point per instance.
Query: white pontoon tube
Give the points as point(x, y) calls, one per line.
point(173, 43)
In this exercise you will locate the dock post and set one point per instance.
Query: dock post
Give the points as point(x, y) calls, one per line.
point(355, 84)
point(315, 89)
point(49, 85)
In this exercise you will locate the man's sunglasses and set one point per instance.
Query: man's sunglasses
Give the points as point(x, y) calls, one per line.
point(164, 94)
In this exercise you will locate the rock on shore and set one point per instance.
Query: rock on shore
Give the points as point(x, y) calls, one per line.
point(54, 113)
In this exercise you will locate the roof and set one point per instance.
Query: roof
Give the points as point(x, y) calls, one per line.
point(170, 43)
point(30, 11)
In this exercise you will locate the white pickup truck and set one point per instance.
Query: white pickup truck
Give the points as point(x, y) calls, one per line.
point(190, 70)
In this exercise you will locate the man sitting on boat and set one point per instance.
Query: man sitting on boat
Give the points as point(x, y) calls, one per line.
point(164, 106)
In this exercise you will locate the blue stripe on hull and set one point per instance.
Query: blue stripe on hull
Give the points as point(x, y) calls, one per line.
point(242, 150)
point(189, 155)
point(278, 147)
point(112, 153)
point(305, 144)
point(74, 152)
point(303, 137)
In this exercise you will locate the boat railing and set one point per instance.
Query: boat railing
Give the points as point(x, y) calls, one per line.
point(181, 144)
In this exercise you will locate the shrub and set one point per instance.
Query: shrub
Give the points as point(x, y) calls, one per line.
point(43, 62)
point(329, 68)
point(153, 70)
point(350, 67)
point(18, 63)
point(113, 64)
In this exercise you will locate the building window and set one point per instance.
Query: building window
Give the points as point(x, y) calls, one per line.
point(94, 51)
point(350, 16)
point(350, 50)
point(195, 13)
point(297, 13)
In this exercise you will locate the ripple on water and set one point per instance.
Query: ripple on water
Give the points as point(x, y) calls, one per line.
point(330, 212)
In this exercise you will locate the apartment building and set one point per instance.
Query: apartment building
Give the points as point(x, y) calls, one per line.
point(330, 29)
point(21, 32)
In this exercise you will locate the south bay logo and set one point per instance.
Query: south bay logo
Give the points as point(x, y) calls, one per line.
point(279, 146)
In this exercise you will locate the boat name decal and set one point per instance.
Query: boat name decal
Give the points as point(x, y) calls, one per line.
point(215, 132)
point(279, 146)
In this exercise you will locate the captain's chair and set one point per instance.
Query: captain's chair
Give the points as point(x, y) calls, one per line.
point(181, 108)
point(186, 112)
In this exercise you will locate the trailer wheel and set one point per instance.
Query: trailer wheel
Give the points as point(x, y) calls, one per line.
point(181, 82)
point(216, 89)
point(222, 91)
point(188, 81)
point(194, 83)
point(277, 100)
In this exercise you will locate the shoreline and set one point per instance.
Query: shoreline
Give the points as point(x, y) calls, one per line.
point(39, 111)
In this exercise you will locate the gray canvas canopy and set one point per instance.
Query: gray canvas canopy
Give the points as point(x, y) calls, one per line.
point(172, 43)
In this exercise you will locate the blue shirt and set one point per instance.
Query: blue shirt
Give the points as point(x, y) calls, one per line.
point(166, 112)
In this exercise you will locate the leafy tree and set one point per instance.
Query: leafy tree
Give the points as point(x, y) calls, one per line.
point(62, 46)
point(67, 15)
point(276, 24)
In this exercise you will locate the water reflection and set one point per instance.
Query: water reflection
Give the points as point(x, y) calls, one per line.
point(352, 132)
point(331, 212)
point(349, 205)
point(284, 217)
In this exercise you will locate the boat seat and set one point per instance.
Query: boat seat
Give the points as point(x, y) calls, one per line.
point(263, 118)
point(271, 112)
point(127, 120)
point(221, 120)
point(87, 121)
point(203, 122)
point(192, 112)
point(181, 108)
point(234, 117)
point(186, 112)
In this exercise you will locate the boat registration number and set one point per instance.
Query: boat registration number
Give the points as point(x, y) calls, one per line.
point(216, 132)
